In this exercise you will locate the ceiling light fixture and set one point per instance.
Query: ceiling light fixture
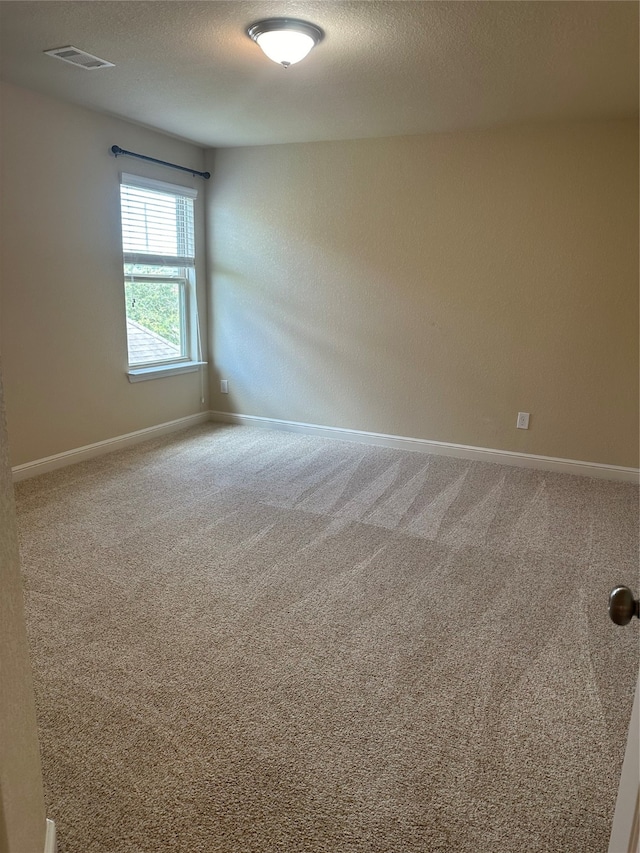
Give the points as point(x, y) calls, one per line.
point(285, 40)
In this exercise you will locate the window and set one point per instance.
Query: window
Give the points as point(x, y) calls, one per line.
point(159, 274)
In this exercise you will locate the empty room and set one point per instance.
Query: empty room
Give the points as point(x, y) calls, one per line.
point(319, 429)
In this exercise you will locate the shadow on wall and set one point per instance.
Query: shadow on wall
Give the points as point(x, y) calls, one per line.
point(290, 339)
point(435, 286)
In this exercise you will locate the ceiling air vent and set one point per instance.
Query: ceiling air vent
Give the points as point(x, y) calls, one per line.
point(78, 57)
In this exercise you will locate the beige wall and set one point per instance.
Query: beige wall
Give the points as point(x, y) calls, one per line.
point(22, 815)
point(62, 310)
point(427, 286)
point(434, 286)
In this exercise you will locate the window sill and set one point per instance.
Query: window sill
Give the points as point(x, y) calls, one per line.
point(159, 371)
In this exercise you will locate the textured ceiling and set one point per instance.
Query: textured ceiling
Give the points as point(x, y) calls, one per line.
point(384, 68)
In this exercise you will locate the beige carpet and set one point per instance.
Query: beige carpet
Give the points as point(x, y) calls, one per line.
point(248, 641)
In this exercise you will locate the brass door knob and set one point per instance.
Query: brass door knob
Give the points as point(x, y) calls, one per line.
point(623, 606)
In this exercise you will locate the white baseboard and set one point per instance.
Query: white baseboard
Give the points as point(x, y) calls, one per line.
point(421, 445)
point(50, 845)
point(79, 454)
point(442, 448)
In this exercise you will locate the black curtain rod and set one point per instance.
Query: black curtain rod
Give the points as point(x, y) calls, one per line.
point(115, 149)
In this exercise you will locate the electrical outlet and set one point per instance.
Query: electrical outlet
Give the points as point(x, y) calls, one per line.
point(523, 420)
point(224, 386)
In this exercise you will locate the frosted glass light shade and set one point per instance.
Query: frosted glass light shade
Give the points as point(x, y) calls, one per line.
point(285, 46)
point(285, 40)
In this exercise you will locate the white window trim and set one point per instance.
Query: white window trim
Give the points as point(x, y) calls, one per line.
point(161, 186)
point(190, 363)
point(160, 371)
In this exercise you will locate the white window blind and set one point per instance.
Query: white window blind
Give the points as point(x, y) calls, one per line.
point(157, 223)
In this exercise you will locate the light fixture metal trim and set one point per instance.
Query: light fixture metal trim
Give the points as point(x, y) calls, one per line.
point(271, 25)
